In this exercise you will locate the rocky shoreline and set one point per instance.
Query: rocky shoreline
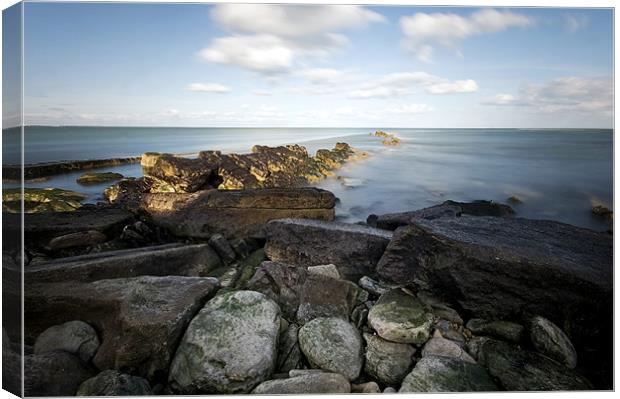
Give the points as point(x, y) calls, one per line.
point(228, 274)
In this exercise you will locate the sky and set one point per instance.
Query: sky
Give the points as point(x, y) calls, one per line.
point(316, 66)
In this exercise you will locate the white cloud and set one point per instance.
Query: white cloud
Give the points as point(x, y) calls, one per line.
point(270, 38)
point(564, 94)
point(421, 30)
point(208, 87)
point(409, 109)
point(324, 75)
point(573, 23)
point(402, 84)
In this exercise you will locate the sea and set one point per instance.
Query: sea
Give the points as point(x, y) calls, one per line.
point(558, 174)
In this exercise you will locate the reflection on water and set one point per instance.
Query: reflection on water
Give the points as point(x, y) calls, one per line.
point(558, 174)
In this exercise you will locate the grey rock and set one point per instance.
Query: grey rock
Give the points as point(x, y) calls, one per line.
point(75, 337)
point(332, 344)
point(325, 270)
point(551, 341)
point(400, 317)
point(114, 383)
point(223, 248)
point(373, 286)
point(497, 328)
point(438, 346)
point(323, 296)
point(521, 370)
point(444, 374)
point(354, 249)
point(447, 313)
point(390, 390)
point(388, 362)
point(54, 374)
point(308, 383)
point(289, 353)
point(367, 387)
point(229, 347)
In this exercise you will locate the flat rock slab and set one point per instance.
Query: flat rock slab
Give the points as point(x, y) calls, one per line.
point(507, 268)
point(161, 260)
point(353, 249)
point(238, 213)
point(139, 320)
point(305, 384)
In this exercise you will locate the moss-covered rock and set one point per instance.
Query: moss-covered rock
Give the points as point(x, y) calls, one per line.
point(388, 362)
point(91, 178)
point(333, 344)
point(444, 374)
point(41, 200)
point(400, 317)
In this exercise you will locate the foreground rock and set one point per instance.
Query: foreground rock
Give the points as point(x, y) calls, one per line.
point(139, 320)
point(444, 374)
point(309, 383)
point(229, 347)
point(114, 383)
point(521, 370)
point(551, 341)
point(500, 268)
point(449, 209)
point(354, 249)
point(91, 178)
point(238, 213)
point(400, 317)
point(332, 344)
point(388, 362)
point(75, 337)
point(196, 260)
point(54, 374)
point(38, 200)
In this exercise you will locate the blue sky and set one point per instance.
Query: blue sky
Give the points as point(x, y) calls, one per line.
point(275, 65)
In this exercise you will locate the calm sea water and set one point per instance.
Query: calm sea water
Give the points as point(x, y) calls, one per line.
point(558, 174)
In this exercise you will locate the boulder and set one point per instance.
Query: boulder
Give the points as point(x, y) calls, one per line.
point(332, 344)
point(521, 370)
point(388, 362)
point(400, 317)
point(161, 260)
point(323, 296)
point(90, 178)
point(372, 286)
point(354, 249)
point(445, 374)
point(289, 353)
point(229, 347)
point(235, 213)
point(508, 268)
point(178, 174)
point(367, 387)
point(311, 383)
point(282, 283)
point(54, 374)
point(448, 209)
point(501, 329)
point(75, 337)
point(140, 320)
point(114, 383)
point(551, 341)
point(438, 346)
point(223, 248)
point(128, 193)
point(325, 270)
point(79, 239)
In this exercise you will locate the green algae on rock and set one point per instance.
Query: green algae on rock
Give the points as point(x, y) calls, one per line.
point(41, 200)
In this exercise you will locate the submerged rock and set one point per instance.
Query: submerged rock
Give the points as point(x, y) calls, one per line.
point(114, 383)
point(354, 249)
point(444, 374)
point(400, 317)
point(98, 178)
point(551, 341)
point(309, 383)
point(388, 362)
point(37, 200)
point(229, 347)
point(75, 337)
point(332, 344)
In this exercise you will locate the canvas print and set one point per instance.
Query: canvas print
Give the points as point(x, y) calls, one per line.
point(296, 199)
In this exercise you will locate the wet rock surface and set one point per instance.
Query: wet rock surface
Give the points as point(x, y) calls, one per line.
point(114, 383)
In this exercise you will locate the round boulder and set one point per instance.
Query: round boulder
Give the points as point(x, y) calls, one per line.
point(113, 383)
point(400, 317)
point(75, 337)
point(229, 347)
point(388, 362)
point(551, 341)
point(332, 344)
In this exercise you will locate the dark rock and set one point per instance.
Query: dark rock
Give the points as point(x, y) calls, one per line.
point(444, 374)
point(140, 320)
point(229, 347)
point(75, 337)
point(354, 249)
point(289, 353)
point(128, 193)
point(372, 286)
point(504, 330)
point(323, 296)
point(514, 200)
point(38, 170)
point(163, 260)
point(602, 211)
point(54, 374)
point(506, 268)
point(235, 213)
point(80, 239)
point(520, 370)
point(223, 248)
point(114, 383)
point(98, 178)
point(551, 341)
